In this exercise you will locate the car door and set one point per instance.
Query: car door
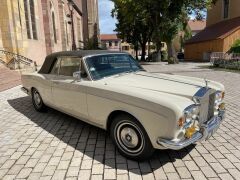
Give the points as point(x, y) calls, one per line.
point(46, 84)
point(69, 94)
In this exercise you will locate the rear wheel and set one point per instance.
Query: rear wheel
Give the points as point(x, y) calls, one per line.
point(131, 138)
point(37, 101)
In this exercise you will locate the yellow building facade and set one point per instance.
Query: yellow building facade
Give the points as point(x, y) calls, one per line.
point(223, 10)
point(223, 29)
point(36, 28)
point(12, 38)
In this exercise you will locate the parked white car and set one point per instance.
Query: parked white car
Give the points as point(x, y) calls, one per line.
point(142, 111)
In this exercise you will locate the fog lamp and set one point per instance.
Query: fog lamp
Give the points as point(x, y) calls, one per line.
point(222, 106)
point(190, 131)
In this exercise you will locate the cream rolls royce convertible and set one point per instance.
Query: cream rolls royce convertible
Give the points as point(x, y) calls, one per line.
point(142, 111)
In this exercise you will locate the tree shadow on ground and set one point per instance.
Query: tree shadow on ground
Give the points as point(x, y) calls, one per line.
point(92, 141)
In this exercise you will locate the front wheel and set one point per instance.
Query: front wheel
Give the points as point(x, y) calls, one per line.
point(130, 138)
point(37, 101)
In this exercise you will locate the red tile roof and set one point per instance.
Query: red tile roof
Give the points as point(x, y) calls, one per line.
point(109, 37)
point(217, 31)
point(196, 25)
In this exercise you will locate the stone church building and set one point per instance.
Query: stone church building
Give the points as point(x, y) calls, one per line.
point(36, 28)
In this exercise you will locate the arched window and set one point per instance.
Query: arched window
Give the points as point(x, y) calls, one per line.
point(225, 8)
point(27, 19)
point(30, 18)
point(53, 23)
point(33, 19)
point(66, 28)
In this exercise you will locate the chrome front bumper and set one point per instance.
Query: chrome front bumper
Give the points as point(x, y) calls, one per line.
point(206, 131)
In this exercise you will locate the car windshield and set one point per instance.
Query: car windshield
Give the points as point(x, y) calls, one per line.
point(102, 66)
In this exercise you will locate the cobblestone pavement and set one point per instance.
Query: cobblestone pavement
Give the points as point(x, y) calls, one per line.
point(8, 78)
point(55, 146)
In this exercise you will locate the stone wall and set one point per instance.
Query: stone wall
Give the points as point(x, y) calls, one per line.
point(13, 30)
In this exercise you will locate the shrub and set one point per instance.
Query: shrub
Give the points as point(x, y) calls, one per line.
point(235, 48)
point(171, 60)
point(164, 55)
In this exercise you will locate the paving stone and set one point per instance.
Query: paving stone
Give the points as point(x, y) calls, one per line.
point(122, 169)
point(34, 176)
point(24, 173)
point(109, 173)
point(148, 176)
point(225, 176)
point(198, 175)
point(183, 172)
point(63, 165)
point(84, 174)
point(49, 171)
point(73, 171)
point(9, 177)
point(15, 169)
point(122, 177)
point(32, 163)
point(235, 173)
point(40, 167)
point(97, 169)
point(8, 164)
point(135, 174)
point(86, 164)
point(218, 167)
point(173, 175)
point(191, 165)
point(96, 177)
point(160, 174)
point(208, 172)
point(226, 163)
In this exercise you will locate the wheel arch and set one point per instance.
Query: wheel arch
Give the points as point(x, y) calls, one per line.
point(116, 113)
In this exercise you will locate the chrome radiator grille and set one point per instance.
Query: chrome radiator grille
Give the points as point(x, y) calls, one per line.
point(207, 106)
point(211, 106)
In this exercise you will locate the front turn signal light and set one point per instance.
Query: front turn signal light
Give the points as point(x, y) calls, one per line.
point(181, 121)
point(223, 95)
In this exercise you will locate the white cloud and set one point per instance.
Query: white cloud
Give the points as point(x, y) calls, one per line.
point(107, 23)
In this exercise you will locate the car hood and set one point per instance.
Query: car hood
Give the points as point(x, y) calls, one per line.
point(165, 83)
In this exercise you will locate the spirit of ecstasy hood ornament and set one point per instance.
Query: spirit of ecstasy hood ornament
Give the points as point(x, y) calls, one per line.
point(206, 82)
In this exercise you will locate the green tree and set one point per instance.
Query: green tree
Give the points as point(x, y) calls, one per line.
point(140, 21)
point(134, 23)
point(174, 18)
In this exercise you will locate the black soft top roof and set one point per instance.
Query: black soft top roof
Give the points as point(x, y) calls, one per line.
point(50, 59)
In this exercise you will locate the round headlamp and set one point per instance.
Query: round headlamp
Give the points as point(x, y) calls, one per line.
point(219, 95)
point(191, 113)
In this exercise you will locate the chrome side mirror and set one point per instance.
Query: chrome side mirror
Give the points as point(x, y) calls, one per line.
point(77, 75)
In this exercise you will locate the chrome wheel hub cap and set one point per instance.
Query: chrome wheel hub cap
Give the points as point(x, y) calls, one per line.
point(129, 137)
point(37, 98)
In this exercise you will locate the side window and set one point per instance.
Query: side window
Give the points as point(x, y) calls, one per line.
point(69, 65)
point(56, 67)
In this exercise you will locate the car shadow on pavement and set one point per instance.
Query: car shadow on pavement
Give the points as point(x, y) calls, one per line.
point(92, 142)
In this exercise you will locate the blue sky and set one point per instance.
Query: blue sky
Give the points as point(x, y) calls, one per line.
point(107, 23)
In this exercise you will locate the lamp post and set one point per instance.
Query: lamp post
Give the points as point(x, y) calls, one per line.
point(70, 6)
